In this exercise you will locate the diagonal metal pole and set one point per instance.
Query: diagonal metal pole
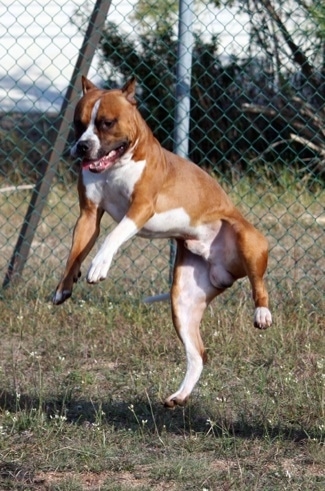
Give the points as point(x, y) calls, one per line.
point(42, 188)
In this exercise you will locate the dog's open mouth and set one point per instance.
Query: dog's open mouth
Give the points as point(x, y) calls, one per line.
point(105, 162)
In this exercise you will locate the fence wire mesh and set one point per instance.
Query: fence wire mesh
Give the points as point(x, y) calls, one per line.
point(256, 124)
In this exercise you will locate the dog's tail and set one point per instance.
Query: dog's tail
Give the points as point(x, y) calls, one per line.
point(163, 297)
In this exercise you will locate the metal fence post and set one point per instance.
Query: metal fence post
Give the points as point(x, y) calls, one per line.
point(183, 92)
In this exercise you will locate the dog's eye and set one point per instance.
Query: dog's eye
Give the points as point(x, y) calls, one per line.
point(106, 124)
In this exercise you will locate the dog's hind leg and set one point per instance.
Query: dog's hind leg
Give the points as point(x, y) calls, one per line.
point(253, 248)
point(191, 292)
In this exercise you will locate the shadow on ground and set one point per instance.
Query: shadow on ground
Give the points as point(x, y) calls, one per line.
point(193, 418)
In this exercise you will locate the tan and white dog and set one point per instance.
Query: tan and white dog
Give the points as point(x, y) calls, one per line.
point(153, 193)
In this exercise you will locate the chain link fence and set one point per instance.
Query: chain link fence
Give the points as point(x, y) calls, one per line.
point(256, 123)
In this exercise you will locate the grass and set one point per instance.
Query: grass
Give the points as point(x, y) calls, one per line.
point(82, 385)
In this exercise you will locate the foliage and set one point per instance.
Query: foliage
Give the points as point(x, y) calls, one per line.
point(289, 34)
point(238, 109)
point(317, 11)
point(24, 141)
point(151, 58)
point(157, 15)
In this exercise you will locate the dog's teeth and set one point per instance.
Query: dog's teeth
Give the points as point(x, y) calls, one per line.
point(111, 154)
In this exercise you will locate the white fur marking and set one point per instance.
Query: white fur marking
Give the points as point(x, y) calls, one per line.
point(172, 223)
point(113, 188)
point(262, 317)
point(90, 134)
point(193, 370)
point(101, 263)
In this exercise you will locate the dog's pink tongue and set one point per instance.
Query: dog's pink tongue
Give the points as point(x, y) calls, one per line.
point(100, 164)
point(86, 164)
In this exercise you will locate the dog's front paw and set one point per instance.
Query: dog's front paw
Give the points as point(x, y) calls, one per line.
point(262, 318)
point(98, 269)
point(61, 296)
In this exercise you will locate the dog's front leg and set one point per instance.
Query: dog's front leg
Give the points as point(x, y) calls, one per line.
point(85, 234)
point(128, 227)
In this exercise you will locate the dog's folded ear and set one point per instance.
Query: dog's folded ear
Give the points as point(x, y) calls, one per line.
point(129, 90)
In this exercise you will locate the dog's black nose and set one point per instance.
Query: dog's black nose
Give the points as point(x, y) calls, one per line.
point(83, 147)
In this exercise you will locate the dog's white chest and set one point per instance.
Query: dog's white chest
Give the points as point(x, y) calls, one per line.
point(113, 189)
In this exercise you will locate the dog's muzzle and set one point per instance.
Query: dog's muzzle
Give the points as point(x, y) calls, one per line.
point(97, 159)
point(82, 149)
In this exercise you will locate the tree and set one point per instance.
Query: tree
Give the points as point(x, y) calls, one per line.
point(288, 33)
point(291, 35)
point(156, 15)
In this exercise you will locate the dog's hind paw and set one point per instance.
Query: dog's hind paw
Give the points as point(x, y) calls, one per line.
point(262, 318)
point(171, 402)
point(61, 296)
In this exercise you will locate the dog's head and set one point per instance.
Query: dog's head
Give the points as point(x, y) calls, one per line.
point(104, 123)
